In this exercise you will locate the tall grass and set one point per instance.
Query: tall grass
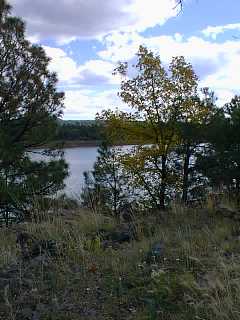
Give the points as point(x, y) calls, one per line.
point(196, 277)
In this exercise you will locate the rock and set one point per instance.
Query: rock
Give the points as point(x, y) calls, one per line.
point(40, 307)
point(126, 212)
point(9, 277)
point(44, 247)
point(157, 249)
point(195, 203)
point(114, 239)
point(156, 252)
point(90, 313)
point(127, 216)
point(26, 313)
point(24, 240)
point(35, 316)
point(32, 247)
point(119, 237)
point(3, 282)
point(228, 212)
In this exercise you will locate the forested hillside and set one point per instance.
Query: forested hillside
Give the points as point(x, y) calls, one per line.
point(79, 131)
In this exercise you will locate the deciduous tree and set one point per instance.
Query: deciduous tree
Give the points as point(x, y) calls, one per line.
point(161, 100)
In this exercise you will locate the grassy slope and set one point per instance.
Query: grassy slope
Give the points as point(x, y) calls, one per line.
point(197, 277)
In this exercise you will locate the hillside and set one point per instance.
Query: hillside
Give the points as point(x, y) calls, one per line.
point(183, 264)
point(74, 133)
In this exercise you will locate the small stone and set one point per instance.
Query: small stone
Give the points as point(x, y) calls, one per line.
point(35, 316)
point(228, 212)
point(156, 252)
point(118, 237)
point(26, 313)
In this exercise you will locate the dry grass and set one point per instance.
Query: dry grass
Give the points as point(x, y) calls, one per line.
point(197, 276)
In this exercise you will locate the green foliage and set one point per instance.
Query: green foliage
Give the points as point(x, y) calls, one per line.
point(29, 108)
point(79, 131)
point(106, 185)
point(167, 292)
point(167, 112)
point(221, 161)
point(93, 245)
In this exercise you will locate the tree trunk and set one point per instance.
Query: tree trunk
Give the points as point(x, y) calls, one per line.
point(186, 174)
point(163, 184)
point(238, 185)
point(6, 218)
point(115, 203)
point(238, 190)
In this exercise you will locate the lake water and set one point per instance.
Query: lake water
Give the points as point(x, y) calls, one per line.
point(79, 160)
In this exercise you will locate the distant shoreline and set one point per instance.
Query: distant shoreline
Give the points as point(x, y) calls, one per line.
point(81, 143)
point(90, 143)
point(70, 144)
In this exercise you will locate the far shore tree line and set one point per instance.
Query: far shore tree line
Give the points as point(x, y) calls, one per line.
point(79, 131)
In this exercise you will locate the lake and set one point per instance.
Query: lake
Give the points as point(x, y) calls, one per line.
point(79, 160)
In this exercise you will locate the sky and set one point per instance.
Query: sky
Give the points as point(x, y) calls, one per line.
point(85, 40)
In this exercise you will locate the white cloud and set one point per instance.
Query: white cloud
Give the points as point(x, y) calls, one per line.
point(61, 63)
point(89, 86)
point(120, 46)
point(68, 20)
point(214, 31)
point(123, 46)
point(33, 39)
point(149, 13)
point(83, 104)
point(226, 80)
point(99, 68)
point(217, 64)
point(93, 72)
point(79, 82)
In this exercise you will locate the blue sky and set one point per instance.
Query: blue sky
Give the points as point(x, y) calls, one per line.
point(86, 38)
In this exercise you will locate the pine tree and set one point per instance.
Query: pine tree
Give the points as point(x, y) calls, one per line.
point(107, 184)
point(29, 108)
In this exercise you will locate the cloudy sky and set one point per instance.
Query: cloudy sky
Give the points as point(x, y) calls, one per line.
point(86, 38)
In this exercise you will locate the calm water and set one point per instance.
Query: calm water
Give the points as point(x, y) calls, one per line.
point(79, 160)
